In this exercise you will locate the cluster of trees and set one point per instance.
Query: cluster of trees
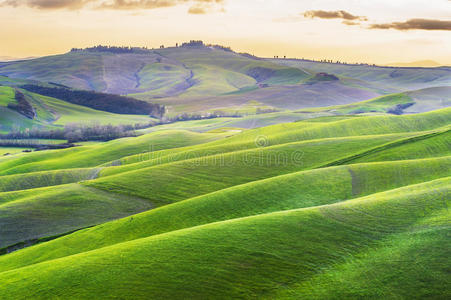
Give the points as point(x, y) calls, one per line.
point(140, 50)
point(34, 133)
point(220, 47)
point(36, 144)
point(100, 101)
point(192, 117)
point(193, 43)
point(113, 49)
point(80, 132)
point(261, 111)
point(338, 62)
point(74, 133)
point(22, 106)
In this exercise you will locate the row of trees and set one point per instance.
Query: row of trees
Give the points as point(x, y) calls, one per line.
point(140, 50)
point(100, 101)
point(213, 115)
point(76, 132)
point(79, 132)
point(113, 49)
point(338, 62)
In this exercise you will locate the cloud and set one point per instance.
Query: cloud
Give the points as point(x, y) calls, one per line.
point(350, 23)
point(339, 14)
point(415, 24)
point(205, 7)
point(47, 4)
point(197, 10)
point(199, 5)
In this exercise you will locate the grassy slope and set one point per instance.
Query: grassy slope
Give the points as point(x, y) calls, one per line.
point(349, 127)
point(224, 62)
point(181, 79)
point(292, 191)
point(6, 95)
point(10, 119)
point(65, 112)
point(80, 70)
point(376, 105)
point(162, 79)
point(430, 99)
point(46, 178)
point(404, 78)
point(144, 75)
point(94, 155)
point(11, 150)
point(423, 100)
point(299, 245)
point(300, 131)
point(167, 183)
point(229, 260)
point(32, 214)
point(434, 146)
point(52, 112)
point(407, 265)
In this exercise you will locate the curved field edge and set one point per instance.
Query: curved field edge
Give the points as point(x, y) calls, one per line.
point(298, 244)
point(292, 191)
point(403, 266)
point(167, 183)
point(297, 132)
point(92, 156)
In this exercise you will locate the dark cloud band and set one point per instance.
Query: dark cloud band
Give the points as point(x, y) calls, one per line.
point(415, 24)
point(105, 4)
point(46, 4)
point(339, 14)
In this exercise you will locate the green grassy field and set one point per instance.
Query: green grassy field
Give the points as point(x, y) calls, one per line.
point(11, 150)
point(342, 206)
point(298, 243)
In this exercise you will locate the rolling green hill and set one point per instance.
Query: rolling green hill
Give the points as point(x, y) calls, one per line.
point(291, 191)
point(297, 245)
point(329, 197)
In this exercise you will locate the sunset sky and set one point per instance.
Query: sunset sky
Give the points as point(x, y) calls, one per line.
point(374, 31)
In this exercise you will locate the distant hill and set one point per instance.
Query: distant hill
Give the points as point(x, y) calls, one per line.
point(419, 63)
point(385, 78)
point(199, 79)
point(11, 58)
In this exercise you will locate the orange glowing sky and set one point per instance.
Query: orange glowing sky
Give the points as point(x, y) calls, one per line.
point(373, 31)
